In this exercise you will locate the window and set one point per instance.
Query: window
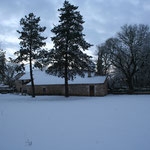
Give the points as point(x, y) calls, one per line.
point(44, 90)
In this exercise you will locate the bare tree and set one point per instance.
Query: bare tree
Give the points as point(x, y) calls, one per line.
point(128, 51)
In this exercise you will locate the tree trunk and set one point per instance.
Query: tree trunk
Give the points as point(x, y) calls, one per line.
point(66, 77)
point(31, 76)
point(130, 85)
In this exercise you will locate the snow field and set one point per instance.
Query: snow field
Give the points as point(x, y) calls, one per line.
point(114, 122)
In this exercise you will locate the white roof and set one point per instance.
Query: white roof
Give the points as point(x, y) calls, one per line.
point(42, 78)
point(4, 86)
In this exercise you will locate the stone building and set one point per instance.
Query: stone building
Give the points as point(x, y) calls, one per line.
point(52, 85)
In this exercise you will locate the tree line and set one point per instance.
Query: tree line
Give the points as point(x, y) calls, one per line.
point(125, 58)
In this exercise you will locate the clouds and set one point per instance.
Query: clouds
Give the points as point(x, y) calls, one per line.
point(103, 18)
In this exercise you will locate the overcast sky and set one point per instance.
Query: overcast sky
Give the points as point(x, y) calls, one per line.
point(103, 18)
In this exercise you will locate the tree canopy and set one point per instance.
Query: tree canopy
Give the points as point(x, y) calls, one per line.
point(67, 57)
point(31, 42)
point(129, 53)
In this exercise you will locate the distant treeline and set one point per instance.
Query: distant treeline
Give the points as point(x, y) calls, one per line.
point(125, 58)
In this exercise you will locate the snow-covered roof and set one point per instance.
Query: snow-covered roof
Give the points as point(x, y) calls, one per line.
point(4, 86)
point(42, 78)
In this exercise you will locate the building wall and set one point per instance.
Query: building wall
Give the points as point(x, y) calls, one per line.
point(21, 85)
point(49, 89)
point(74, 89)
point(101, 89)
point(79, 90)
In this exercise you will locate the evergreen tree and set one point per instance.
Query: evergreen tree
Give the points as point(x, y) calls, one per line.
point(12, 69)
point(103, 62)
point(31, 42)
point(2, 65)
point(100, 67)
point(67, 57)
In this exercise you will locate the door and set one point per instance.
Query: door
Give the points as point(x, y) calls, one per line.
point(91, 90)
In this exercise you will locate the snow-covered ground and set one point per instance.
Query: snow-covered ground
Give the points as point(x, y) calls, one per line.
point(114, 122)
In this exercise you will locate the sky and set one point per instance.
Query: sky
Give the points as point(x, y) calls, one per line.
point(103, 19)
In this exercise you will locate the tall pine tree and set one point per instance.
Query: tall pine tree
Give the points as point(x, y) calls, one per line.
point(31, 42)
point(67, 57)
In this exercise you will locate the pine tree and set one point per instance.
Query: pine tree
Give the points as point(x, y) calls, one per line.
point(31, 42)
point(100, 67)
point(2, 65)
point(67, 57)
point(104, 60)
